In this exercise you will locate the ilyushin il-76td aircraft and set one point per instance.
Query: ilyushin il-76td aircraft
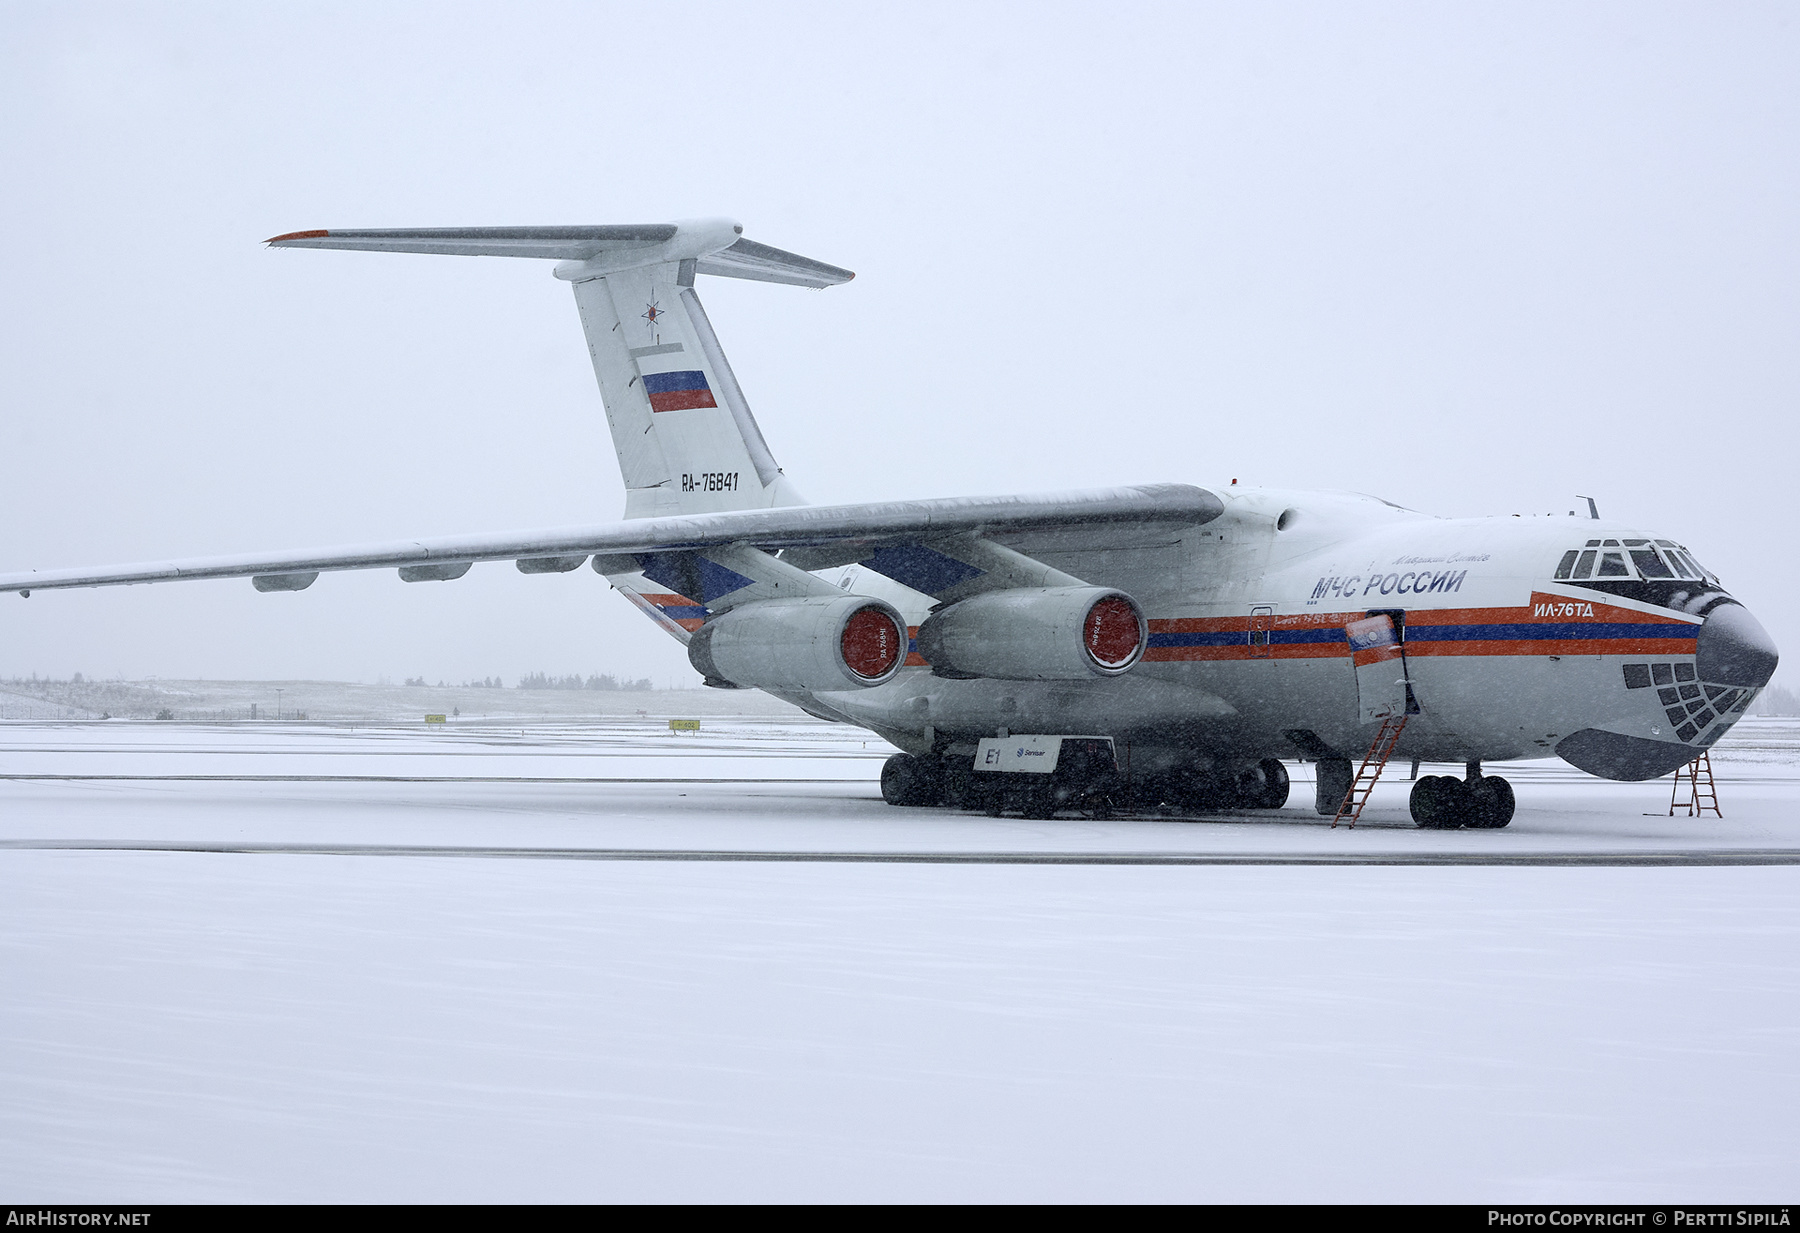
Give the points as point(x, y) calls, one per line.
point(1164, 644)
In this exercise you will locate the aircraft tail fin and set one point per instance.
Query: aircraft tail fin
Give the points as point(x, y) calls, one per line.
point(686, 440)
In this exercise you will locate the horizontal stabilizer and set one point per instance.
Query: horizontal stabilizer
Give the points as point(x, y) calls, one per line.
point(748, 259)
point(716, 245)
point(565, 243)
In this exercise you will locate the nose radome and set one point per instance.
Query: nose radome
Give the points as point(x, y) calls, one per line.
point(1734, 649)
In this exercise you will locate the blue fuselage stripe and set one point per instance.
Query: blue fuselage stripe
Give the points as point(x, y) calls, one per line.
point(1584, 632)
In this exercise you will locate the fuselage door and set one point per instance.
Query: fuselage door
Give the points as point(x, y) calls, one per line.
point(1262, 620)
point(1398, 617)
point(1381, 691)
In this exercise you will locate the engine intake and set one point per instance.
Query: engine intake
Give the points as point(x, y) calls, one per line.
point(820, 642)
point(1036, 634)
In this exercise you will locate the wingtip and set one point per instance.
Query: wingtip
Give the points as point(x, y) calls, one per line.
point(297, 235)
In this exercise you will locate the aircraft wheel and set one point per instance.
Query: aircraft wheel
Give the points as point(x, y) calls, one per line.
point(1491, 802)
point(959, 788)
point(1440, 803)
point(908, 780)
point(1265, 787)
point(1422, 802)
point(1459, 803)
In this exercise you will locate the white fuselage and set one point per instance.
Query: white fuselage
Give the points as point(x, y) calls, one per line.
point(1247, 657)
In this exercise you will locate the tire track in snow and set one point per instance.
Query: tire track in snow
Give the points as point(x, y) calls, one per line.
point(1604, 858)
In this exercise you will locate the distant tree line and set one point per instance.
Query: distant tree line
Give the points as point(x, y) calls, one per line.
point(543, 680)
point(602, 681)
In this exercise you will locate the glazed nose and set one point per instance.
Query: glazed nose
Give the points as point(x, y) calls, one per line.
point(1735, 649)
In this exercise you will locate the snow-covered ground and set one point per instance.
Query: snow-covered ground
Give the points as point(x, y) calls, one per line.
point(347, 702)
point(397, 1024)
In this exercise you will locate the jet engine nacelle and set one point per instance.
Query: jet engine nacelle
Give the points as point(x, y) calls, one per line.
point(819, 642)
point(1036, 634)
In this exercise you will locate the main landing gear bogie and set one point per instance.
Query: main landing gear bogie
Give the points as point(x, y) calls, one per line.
point(1090, 790)
point(909, 780)
point(1481, 802)
point(1094, 792)
point(1439, 802)
point(1263, 786)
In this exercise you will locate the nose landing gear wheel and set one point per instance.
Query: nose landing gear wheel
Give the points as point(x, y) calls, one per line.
point(1440, 803)
point(1491, 798)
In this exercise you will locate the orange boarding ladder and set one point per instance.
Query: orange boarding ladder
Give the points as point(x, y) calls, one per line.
point(1380, 750)
point(1702, 795)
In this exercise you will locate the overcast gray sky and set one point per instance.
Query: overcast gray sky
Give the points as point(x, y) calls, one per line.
point(1471, 258)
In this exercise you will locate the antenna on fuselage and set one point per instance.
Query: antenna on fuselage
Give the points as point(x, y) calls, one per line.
point(1593, 510)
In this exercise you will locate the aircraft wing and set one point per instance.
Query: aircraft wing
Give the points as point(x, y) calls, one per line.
point(811, 535)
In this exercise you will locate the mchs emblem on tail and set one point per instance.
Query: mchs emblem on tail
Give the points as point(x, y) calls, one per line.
point(1171, 640)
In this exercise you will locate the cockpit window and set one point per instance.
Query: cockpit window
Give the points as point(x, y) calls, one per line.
point(1704, 572)
point(1632, 558)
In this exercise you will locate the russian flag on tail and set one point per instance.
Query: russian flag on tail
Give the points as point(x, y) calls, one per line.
point(678, 391)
